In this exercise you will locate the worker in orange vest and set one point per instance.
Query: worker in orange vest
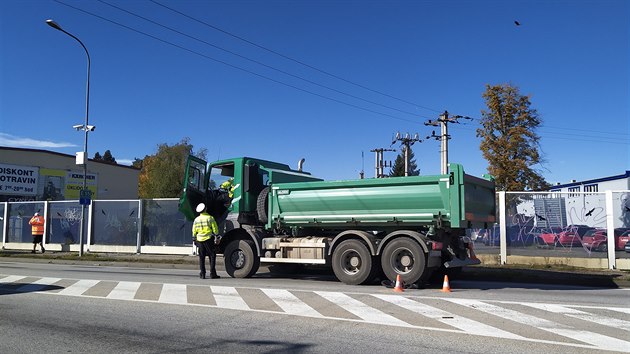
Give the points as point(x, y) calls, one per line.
point(37, 229)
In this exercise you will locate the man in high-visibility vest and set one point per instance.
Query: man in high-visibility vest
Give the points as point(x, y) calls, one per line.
point(205, 235)
point(37, 230)
point(228, 186)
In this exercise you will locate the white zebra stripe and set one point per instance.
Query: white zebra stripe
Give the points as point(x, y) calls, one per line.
point(174, 294)
point(289, 303)
point(125, 290)
point(78, 288)
point(11, 279)
point(581, 315)
point(38, 285)
point(228, 297)
point(598, 340)
point(465, 324)
point(360, 309)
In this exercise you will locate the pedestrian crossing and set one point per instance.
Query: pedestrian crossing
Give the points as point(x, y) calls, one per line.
point(591, 327)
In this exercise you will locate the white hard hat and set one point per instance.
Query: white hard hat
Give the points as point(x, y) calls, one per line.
point(201, 207)
point(36, 214)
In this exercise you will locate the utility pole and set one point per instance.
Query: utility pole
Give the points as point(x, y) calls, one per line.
point(378, 163)
point(443, 137)
point(406, 142)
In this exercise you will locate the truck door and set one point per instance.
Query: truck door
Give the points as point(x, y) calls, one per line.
point(195, 186)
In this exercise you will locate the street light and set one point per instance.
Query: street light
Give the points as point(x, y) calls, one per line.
point(85, 127)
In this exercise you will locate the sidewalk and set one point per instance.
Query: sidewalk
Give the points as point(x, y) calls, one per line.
point(513, 273)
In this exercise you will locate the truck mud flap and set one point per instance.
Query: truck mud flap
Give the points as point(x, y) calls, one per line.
point(461, 263)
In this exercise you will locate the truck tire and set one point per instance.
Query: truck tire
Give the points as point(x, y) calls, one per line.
point(262, 203)
point(403, 257)
point(352, 262)
point(240, 259)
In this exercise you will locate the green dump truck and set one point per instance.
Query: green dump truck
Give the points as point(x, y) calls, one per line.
point(366, 228)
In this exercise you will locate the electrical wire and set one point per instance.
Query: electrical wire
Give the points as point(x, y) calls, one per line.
point(258, 62)
point(291, 59)
point(235, 66)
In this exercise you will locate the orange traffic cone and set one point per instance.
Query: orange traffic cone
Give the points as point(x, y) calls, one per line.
point(445, 286)
point(399, 285)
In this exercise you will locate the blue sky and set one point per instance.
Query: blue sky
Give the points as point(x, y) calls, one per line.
point(394, 65)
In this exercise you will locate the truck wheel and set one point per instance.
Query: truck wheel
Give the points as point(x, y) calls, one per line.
point(240, 259)
point(352, 262)
point(603, 247)
point(262, 203)
point(403, 257)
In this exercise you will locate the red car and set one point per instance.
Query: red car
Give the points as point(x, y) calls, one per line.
point(597, 239)
point(549, 237)
point(572, 235)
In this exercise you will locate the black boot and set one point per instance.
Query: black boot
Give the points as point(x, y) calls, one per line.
point(214, 276)
point(202, 275)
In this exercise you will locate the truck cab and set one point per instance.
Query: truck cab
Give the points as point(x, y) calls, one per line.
point(250, 176)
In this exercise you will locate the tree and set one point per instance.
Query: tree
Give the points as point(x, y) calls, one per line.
point(162, 174)
point(398, 169)
point(509, 141)
point(108, 158)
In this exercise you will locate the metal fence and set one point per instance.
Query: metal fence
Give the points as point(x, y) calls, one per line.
point(533, 228)
point(130, 226)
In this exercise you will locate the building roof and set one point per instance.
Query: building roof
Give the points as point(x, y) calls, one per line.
point(592, 181)
point(64, 155)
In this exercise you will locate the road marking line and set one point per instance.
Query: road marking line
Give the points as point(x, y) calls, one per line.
point(125, 290)
point(78, 288)
point(173, 294)
point(581, 315)
point(598, 340)
point(11, 279)
point(228, 297)
point(360, 309)
point(289, 303)
point(38, 285)
point(465, 324)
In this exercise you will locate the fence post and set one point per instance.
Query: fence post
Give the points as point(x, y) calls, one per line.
point(610, 225)
point(5, 224)
point(90, 221)
point(140, 220)
point(46, 224)
point(502, 228)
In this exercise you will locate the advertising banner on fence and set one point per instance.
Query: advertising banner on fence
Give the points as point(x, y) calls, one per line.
point(74, 184)
point(18, 180)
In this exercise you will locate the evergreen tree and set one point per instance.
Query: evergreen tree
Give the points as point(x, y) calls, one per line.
point(97, 157)
point(509, 140)
point(108, 158)
point(398, 169)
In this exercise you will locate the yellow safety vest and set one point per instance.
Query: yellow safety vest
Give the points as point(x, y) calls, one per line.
point(204, 227)
point(228, 186)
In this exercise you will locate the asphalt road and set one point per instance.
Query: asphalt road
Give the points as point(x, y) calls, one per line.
point(84, 308)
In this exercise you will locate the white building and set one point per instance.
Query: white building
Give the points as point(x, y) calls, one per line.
point(615, 183)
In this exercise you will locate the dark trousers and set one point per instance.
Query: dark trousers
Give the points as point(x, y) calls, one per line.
point(207, 248)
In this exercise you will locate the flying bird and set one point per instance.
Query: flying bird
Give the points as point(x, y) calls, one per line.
point(590, 212)
point(517, 23)
point(540, 218)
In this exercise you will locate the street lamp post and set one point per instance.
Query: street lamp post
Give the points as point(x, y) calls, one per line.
point(86, 128)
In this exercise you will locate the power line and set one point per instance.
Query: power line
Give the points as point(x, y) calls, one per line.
point(235, 66)
point(256, 61)
point(291, 59)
